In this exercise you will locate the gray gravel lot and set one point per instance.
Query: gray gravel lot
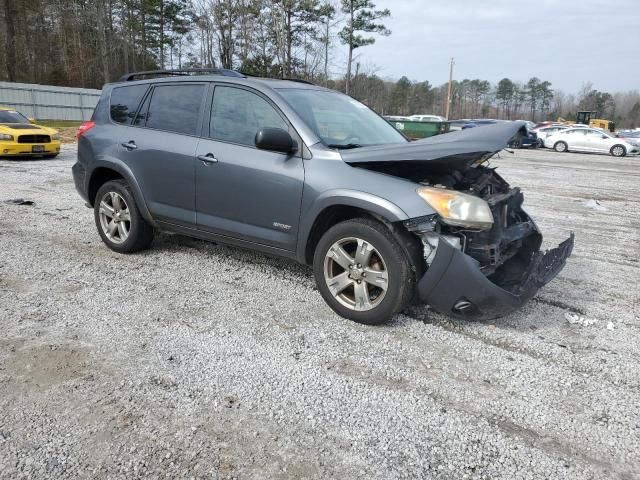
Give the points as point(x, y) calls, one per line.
point(201, 360)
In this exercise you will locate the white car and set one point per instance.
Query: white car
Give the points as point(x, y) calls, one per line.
point(426, 118)
point(589, 140)
point(543, 132)
point(632, 137)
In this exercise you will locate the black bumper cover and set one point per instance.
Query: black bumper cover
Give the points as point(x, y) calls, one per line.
point(454, 284)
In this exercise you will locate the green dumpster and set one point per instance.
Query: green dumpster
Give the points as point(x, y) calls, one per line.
point(415, 130)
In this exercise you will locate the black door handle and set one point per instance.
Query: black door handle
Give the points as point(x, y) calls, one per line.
point(208, 159)
point(131, 145)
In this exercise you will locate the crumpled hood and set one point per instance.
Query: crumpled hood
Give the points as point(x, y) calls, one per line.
point(453, 150)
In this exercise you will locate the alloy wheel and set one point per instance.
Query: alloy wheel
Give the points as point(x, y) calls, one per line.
point(115, 218)
point(356, 274)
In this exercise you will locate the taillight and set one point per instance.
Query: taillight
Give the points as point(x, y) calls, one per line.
point(84, 128)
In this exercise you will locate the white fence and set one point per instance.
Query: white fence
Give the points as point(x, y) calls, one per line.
point(49, 102)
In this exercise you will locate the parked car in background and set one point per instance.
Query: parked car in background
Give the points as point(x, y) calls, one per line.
point(544, 132)
point(395, 118)
point(529, 124)
point(589, 140)
point(522, 141)
point(630, 136)
point(427, 118)
point(21, 138)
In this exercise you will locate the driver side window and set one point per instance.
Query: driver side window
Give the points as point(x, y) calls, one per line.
point(238, 114)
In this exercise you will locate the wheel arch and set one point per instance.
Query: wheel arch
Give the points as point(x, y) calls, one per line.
point(338, 208)
point(566, 145)
point(624, 149)
point(104, 172)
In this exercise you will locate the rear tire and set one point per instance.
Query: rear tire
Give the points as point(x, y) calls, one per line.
point(52, 155)
point(118, 219)
point(618, 151)
point(561, 147)
point(362, 272)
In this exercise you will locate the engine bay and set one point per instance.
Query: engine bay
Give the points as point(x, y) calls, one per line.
point(504, 251)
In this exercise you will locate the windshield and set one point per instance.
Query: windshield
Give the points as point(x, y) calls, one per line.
point(11, 116)
point(339, 120)
point(600, 132)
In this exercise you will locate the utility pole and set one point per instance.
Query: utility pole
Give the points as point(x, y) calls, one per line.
point(451, 63)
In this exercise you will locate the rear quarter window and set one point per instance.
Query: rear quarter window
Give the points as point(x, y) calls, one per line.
point(124, 102)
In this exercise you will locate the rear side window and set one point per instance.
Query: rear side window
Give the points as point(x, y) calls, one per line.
point(237, 115)
point(175, 108)
point(125, 101)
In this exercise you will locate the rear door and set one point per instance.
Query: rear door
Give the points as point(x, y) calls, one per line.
point(243, 192)
point(577, 139)
point(160, 147)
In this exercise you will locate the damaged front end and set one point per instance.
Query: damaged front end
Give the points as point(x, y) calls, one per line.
point(486, 273)
point(481, 250)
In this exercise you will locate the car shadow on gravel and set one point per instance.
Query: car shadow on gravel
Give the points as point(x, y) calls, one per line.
point(532, 316)
point(172, 242)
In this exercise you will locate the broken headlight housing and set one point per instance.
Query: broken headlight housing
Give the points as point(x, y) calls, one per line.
point(458, 209)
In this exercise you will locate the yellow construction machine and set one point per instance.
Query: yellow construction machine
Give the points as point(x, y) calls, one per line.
point(590, 118)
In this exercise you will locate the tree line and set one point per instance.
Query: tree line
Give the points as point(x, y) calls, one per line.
point(87, 43)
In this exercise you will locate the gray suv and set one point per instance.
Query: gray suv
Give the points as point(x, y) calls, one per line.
point(296, 170)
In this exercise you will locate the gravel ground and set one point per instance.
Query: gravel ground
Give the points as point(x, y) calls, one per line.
point(199, 360)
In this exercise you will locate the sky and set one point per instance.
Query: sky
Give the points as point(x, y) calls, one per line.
point(567, 42)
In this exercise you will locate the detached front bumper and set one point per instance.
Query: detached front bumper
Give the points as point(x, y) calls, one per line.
point(454, 284)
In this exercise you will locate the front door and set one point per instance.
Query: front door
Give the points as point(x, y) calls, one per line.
point(160, 147)
point(243, 192)
point(596, 141)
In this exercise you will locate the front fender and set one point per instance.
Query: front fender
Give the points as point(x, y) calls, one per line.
point(348, 198)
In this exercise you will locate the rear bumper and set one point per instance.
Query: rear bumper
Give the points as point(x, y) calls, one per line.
point(79, 174)
point(454, 284)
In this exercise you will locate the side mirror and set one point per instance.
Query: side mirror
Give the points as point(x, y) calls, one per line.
point(31, 120)
point(276, 140)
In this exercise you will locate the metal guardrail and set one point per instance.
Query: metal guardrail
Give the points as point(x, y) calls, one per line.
point(49, 102)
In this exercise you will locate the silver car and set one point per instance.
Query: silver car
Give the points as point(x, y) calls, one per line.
point(589, 140)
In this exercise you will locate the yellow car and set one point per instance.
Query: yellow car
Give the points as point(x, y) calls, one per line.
point(19, 137)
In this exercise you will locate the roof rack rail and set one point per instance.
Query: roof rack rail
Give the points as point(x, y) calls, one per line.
point(299, 80)
point(183, 71)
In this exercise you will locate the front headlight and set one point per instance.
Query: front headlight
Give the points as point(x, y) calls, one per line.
point(458, 209)
point(6, 136)
point(55, 136)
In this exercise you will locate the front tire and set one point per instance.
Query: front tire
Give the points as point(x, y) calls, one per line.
point(118, 219)
point(561, 147)
point(362, 272)
point(618, 151)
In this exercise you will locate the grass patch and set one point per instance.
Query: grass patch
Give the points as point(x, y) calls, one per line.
point(59, 123)
point(67, 134)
